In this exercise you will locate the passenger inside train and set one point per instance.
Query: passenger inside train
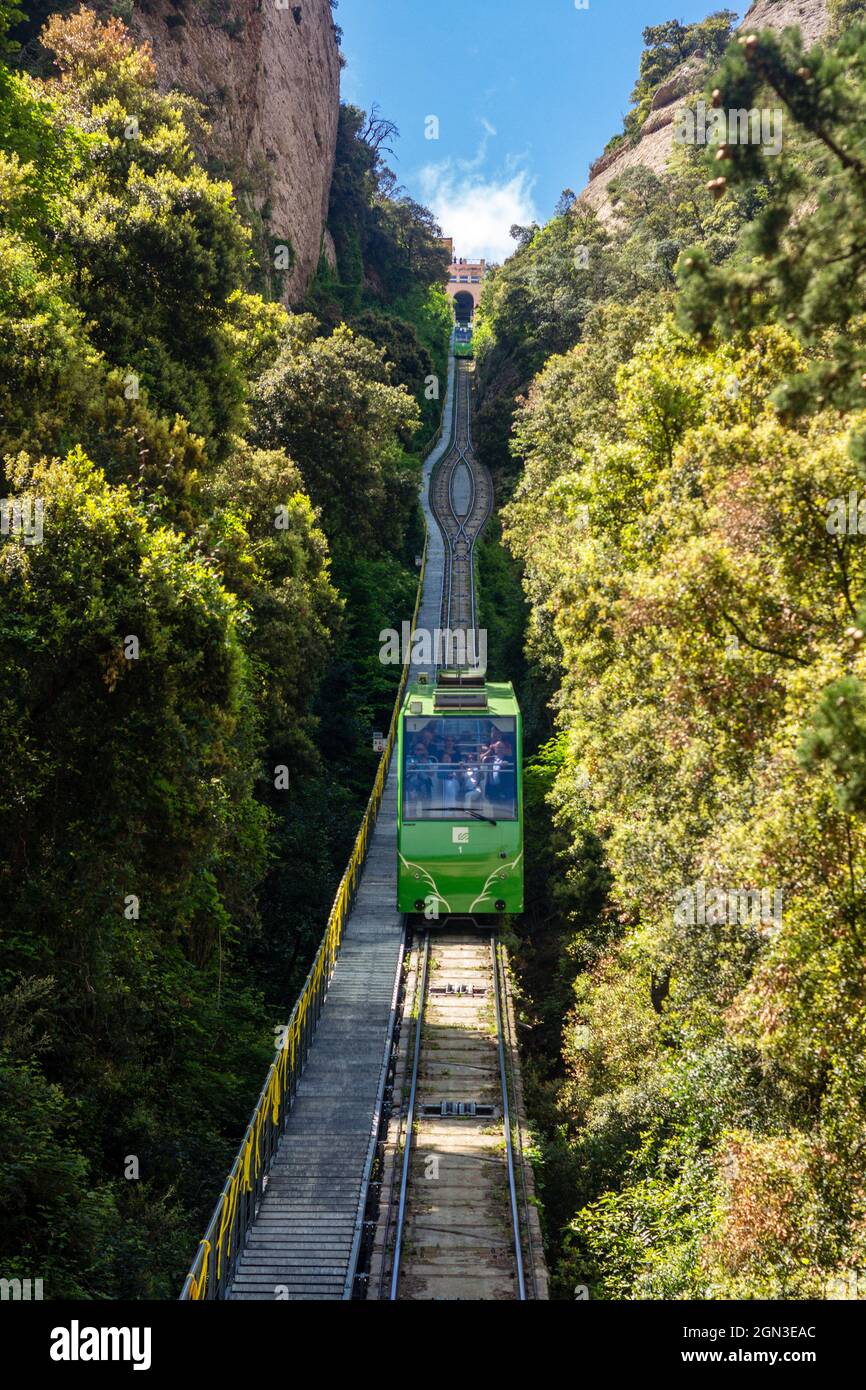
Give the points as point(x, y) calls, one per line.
point(457, 764)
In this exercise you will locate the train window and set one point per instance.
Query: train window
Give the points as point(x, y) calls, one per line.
point(457, 765)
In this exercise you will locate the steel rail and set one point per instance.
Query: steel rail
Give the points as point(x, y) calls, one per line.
point(483, 522)
point(459, 606)
point(449, 495)
point(501, 1013)
point(421, 997)
point(435, 483)
point(453, 529)
point(506, 1121)
point(511, 1042)
point(443, 484)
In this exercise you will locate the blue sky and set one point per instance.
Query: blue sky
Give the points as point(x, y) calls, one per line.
point(526, 93)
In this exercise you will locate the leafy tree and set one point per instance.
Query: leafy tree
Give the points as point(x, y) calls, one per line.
point(330, 404)
point(385, 241)
point(682, 576)
point(542, 300)
point(154, 252)
point(275, 559)
point(836, 735)
point(808, 272)
point(668, 46)
point(398, 339)
point(164, 648)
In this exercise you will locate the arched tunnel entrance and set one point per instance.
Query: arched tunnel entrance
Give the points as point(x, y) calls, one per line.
point(464, 306)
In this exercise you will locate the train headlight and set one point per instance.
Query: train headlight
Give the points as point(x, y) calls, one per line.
point(500, 905)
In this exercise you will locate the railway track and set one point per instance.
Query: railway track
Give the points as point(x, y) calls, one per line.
point(384, 1157)
point(456, 1220)
point(461, 499)
point(452, 1215)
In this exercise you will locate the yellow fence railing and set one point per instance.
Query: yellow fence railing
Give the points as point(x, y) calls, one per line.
point(218, 1251)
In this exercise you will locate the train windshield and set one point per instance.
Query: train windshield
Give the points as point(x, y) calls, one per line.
point(459, 765)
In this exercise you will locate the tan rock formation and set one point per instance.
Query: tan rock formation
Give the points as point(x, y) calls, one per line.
point(654, 147)
point(269, 75)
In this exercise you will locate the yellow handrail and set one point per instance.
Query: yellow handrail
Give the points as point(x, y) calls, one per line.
point(251, 1163)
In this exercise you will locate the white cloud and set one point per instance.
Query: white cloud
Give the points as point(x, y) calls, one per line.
point(469, 166)
point(476, 211)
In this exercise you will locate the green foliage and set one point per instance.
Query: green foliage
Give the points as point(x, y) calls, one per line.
point(806, 271)
point(177, 635)
point(685, 580)
point(9, 16)
point(534, 306)
point(548, 296)
point(330, 404)
point(274, 557)
point(132, 838)
point(39, 161)
point(388, 280)
point(698, 1081)
point(40, 1168)
point(836, 735)
point(410, 362)
point(668, 46)
point(843, 13)
point(382, 237)
point(501, 608)
point(152, 253)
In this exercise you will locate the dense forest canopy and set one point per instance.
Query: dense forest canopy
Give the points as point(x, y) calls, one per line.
point(685, 458)
point(200, 616)
point(221, 511)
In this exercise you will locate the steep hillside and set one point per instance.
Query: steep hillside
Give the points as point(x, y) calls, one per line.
point(236, 488)
point(270, 80)
point(686, 466)
point(654, 146)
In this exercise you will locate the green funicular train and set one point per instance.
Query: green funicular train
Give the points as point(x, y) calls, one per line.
point(460, 798)
point(463, 342)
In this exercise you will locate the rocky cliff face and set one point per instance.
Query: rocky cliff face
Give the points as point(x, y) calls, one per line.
point(654, 146)
point(269, 76)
